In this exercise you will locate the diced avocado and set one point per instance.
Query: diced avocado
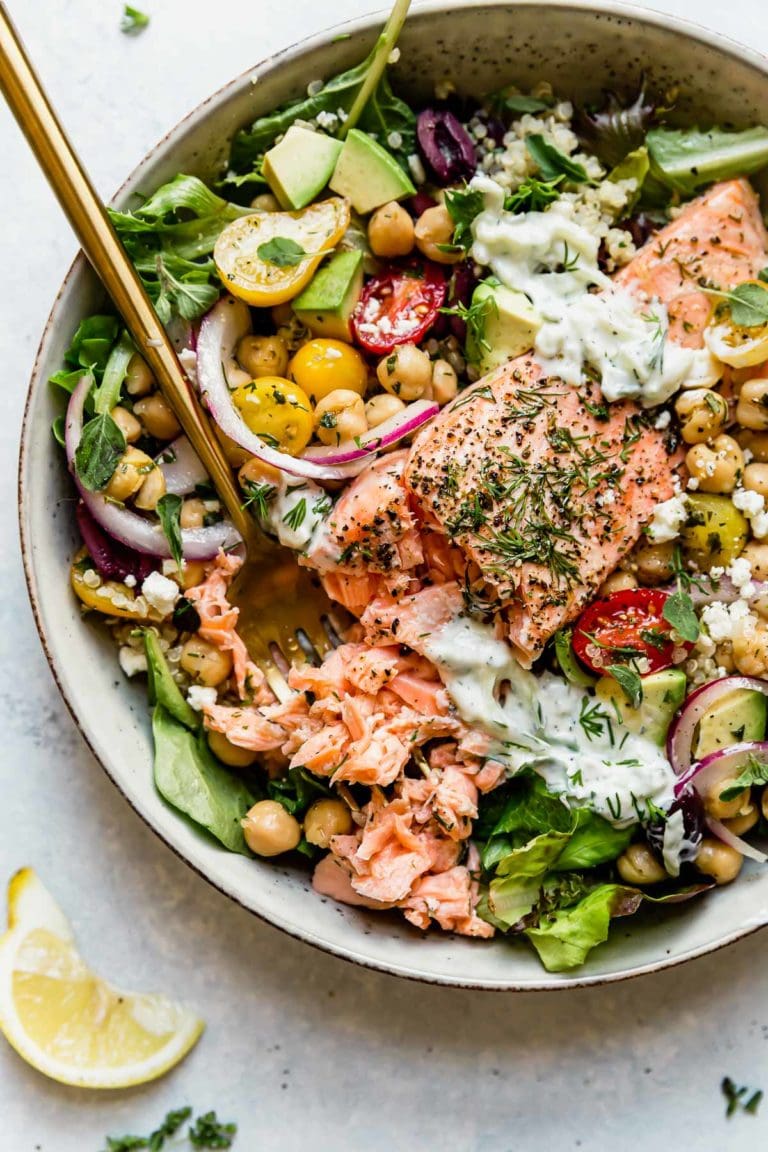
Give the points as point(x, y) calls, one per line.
point(715, 533)
point(367, 175)
point(663, 693)
point(327, 303)
point(740, 715)
point(568, 662)
point(506, 326)
point(300, 166)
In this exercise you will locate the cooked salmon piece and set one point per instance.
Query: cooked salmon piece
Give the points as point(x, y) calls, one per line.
point(448, 899)
point(718, 239)
point(218, 624)
point(545, 489)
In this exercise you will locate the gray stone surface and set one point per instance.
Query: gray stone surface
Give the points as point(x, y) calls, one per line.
point(303, 1050)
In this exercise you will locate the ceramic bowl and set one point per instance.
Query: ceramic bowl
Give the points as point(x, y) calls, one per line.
point(580, 50)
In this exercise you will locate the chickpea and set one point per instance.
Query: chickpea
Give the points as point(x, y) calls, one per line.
point(752, 407)
point(263, 356)
point(266, 202)
point(445, 384)
point(638, 865)
point(406, 372)
point(653, 562)
point(756, 478)
point(192, 574)
point(750, 650)
point(326, 819)
point(230, 754)
point(269, 830)
point(718, 468)
point(391, 231)
point(132, 469)
point(340, 416)
point(382, 407)
point(156, 416)
point(724, 656)
point(718, 860)
point(756, 442)
point(152, 490)
point(435, 227)
point(139, 380)
point(256, 472)
point(127, 423)
point(725, 809)
point(702, 414)
point(204, 662)
point(744, 822)
point(618, 581)
point(192, 513)
point(757, 554)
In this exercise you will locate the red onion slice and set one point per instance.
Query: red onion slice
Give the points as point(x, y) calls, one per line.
point(736, 842)
point(683, 727)
point(128, 527)
point(405, 423)
point(221, 330)
point(181, 466)
point(720, 766)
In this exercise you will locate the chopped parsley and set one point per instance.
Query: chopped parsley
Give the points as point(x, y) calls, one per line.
point(282, 252)
point(133, 21)
point(740, 1099)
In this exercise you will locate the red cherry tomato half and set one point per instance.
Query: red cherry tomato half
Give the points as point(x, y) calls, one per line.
point(627, 626)
point(398, 307)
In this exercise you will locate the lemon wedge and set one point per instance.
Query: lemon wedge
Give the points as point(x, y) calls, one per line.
point(67, 1022)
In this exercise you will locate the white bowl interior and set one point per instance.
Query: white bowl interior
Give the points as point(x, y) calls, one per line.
point(482, 46)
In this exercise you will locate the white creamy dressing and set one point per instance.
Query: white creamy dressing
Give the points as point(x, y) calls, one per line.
point(553, 260)
point(296, 512)
point(675, 847)
point(534, 721)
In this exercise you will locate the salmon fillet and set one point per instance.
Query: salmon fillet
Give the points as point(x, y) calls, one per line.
point(546, 488)
point(719, 239)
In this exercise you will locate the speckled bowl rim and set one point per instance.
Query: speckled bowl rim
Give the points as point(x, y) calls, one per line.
point(724, 45)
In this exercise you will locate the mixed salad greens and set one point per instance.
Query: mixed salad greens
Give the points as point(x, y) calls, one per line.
point(349, 280)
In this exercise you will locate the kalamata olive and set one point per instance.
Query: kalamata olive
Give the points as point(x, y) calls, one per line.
point(420, 202)
point(693, 826)
point(445, 145)
point(113, 560)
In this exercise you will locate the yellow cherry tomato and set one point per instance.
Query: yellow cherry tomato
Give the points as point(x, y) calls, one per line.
point(277, 410)
point(736, 346)
point(110, 597)
point(323, 366)
point(267, 258)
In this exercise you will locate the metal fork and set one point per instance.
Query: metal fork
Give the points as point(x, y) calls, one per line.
point(283, 609)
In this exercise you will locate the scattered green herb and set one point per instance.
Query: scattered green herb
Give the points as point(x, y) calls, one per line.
point(98, 453)
point(282, 252)
point(169, 512)
point(463, 205)
point(629, 681)
point(755, 773)
point(133, 21)
point(680, 614)
point(297, 515)
point(748, 304)
point(209, 1132)
point(258, 497)
point(205, 1132)
point(735, 1098)
point(533, 195)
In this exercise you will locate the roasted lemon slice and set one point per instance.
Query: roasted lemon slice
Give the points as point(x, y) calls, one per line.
point(65, 1021)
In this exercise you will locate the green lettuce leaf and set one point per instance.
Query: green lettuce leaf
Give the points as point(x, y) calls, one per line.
point(688, 159)
point(564, 938)
point(593, 841)
point(191, 779)
point(162, 688)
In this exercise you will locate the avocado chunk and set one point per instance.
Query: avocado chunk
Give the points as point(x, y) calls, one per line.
point(300, 166)
point(569, 664)
point(738, 716)
point(715, 533)
point(507, 328)
point(327, 303)
point(663, 693)
point(367, 175)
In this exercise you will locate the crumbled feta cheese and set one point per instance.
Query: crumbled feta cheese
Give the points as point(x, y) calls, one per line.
point(132, 660)
point(170, 568)
point(160, 592)
point(327, 120)
point(725, 621)
point(667, 520)
point(740, 572)
point(662, 421)
point(200, 698)
point(395, 141)
point(750, 503)
point(130, 581)
point(91, 578)
point(693, 483)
